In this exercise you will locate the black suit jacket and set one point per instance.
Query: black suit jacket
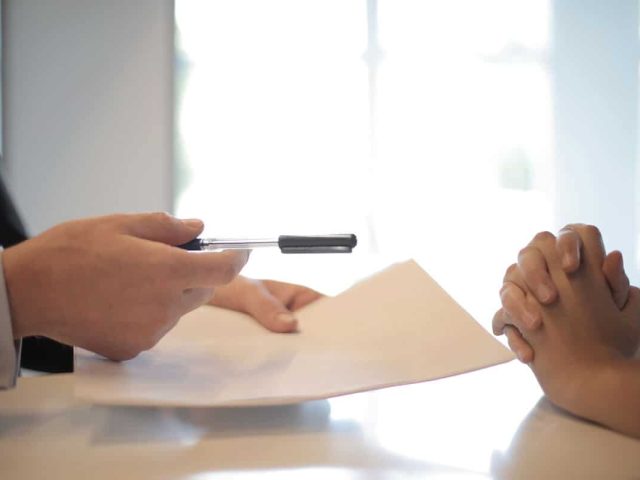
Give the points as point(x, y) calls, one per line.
point(38, 353)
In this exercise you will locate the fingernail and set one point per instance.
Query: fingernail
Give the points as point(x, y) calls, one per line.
point(567, 261)
point(193, 223)
point(288, 319)
point(520, 355)
point(545, 293)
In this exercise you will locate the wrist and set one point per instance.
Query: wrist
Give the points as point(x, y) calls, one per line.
point(591, 394)
point(18, 292)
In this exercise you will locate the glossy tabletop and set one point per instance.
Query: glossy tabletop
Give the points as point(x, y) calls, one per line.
point(487, 424)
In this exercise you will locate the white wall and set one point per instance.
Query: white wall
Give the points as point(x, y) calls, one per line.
point(595, 95)
point(88, 107)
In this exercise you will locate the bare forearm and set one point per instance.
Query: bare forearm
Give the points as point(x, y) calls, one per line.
point(612, 397)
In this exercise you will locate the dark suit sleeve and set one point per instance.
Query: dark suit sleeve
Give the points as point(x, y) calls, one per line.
point(38, 353)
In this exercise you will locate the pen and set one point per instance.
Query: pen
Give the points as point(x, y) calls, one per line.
point(343, 243)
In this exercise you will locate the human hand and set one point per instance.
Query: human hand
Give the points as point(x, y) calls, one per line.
point(531, 272)
point(113, 285)
point(584, 331)
point(271, 303)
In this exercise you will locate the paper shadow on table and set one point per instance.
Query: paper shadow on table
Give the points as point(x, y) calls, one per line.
point(338, 444)
point(16, 424)
point(553, 444)
point(23, 408)
point(135, 424)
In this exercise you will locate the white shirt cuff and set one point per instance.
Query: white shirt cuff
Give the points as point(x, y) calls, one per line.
point(9, 348)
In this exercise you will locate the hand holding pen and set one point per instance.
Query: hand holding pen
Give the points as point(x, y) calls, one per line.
point(342, 243)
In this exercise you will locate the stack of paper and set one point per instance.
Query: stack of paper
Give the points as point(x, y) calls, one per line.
point(394, 328)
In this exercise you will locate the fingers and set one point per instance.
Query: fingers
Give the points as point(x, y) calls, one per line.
point(293, 296)
point(519, 345)
point(500, 320)
point(569, 244)
point(304, 298)
point(516, 310)
point(592, 251)
point(503, 323)
point(269, 302)
point(199, 269)
point(631, 336)
point(613, 269)
point(574, 244)
point(269, 312)
point(514, 300)
point(160, 227)
point(534, 269)
point(210, 269)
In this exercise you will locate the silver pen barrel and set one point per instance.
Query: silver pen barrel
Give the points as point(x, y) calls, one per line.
point(236, 244)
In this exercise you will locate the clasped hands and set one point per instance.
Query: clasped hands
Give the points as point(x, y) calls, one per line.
point(569, 312)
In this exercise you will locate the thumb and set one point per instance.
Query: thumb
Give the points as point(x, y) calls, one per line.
point(613, 269)
point(162, 227)
point(271, 313)
point(632, 337)
point(632, 306)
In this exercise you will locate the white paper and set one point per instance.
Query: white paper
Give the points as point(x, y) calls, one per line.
point(395, 328)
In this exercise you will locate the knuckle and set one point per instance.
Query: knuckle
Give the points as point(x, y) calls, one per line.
point(510, 272)
point(573, 227)
point(592, 231)
point(569, 245)
point(162, 217)
point(509, 299)
point(513, 306)
point(505, 291)
point(498, 322)
point(569, 228)
point(544, 237)
point(571, 233)
point(526, 252)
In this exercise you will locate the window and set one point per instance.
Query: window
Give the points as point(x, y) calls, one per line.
point(424, 127)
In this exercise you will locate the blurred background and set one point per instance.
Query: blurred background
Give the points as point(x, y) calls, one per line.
point(449, 131)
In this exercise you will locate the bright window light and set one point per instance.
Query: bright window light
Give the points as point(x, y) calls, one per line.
point(423, 127)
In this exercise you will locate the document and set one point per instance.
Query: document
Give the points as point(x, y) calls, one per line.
point(396, 327)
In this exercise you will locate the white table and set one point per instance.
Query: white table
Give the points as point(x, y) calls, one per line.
point(486, 424)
